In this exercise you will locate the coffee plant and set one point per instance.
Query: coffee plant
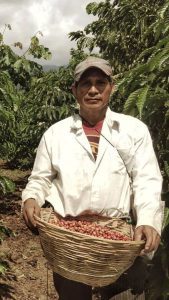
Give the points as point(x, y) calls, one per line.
point(6, 186)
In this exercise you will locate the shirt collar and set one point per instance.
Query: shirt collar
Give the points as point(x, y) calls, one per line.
point(76, 122)
point(112, 120)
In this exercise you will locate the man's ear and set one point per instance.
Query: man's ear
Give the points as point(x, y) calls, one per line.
point(112, 88)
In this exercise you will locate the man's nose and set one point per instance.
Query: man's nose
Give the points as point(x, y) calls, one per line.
point(93, 90)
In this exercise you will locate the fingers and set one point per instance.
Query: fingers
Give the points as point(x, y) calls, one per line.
point(138, 234)
point(30, 209)
point(37, 211)
point(30, 216)
point(151, 237)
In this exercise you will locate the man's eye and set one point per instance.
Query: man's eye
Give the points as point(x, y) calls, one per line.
point(101, 82)
point(85, 84)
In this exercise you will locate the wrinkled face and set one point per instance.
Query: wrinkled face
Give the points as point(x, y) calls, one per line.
point(93, 90)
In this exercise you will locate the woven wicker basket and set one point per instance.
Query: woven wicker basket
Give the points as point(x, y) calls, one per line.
point(83, 258)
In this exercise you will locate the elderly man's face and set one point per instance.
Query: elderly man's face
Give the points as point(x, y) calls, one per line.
point(93, 90)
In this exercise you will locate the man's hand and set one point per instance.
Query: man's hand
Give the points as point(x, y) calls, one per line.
point(151, 237)
point(30, 209)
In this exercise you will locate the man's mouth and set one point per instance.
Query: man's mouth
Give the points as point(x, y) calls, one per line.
point(92, 100)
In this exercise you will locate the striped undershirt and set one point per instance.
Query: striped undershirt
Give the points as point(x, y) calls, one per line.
point(92, 133)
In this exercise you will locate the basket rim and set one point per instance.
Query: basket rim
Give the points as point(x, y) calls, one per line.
point(86, 235)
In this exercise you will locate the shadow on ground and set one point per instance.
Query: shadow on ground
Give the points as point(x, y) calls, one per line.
point(6, 291)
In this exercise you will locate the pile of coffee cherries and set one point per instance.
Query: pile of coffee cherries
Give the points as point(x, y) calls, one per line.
point(90, 228)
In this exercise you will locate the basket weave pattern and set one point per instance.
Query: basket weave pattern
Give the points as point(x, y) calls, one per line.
point(83, 258)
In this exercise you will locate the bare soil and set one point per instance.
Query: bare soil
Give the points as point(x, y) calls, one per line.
point(28, 276)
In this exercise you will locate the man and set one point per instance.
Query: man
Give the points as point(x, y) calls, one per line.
point(85, 164)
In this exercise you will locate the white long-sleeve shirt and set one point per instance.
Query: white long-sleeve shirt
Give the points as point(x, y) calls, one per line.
point(66, 174)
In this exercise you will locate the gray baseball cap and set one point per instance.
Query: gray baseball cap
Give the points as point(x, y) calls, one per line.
point(92, 62)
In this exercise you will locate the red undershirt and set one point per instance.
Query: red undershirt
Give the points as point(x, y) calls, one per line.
point(93, 135)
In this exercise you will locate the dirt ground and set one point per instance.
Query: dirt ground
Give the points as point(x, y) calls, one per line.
point(28, 275)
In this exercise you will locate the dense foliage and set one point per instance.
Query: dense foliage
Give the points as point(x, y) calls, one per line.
point(119, 29)
point(6, 186)
point(30, 99)
point(18, 129)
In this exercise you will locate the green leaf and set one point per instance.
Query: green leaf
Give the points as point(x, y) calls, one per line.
point(166, 168)
point(154, 61)
point(92, 8)
point(163, 10)
point(164, 59)
point(3, 268)
point(18, 64)
point(6, 185)
point(2, 186)
point(131, 101)
point(146, 52)
point(141, 99)
point(34, 41)
point(1, 37)
point(166, 217)
point(6, 230)
point(167, 115)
